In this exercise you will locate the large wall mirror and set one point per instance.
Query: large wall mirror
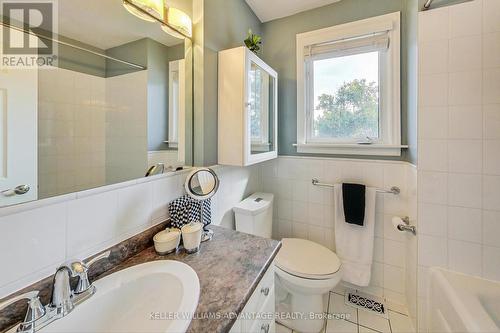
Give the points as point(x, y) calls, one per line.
point(116, 101)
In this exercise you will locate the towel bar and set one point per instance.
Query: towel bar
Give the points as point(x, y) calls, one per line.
point(394, 190)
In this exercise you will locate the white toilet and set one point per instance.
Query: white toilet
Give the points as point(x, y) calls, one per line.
point(305, 271)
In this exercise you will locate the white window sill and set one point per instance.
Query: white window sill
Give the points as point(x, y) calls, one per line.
point(350, 149)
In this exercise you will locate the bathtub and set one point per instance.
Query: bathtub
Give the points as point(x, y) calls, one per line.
point(462, 303)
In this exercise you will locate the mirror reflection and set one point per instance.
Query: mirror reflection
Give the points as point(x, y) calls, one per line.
point(113, 105)
point(202, 183)
point(261, 99)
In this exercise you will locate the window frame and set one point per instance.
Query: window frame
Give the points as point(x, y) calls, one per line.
point(389, 142)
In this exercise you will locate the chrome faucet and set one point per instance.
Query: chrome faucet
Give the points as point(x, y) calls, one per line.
point(63, 299)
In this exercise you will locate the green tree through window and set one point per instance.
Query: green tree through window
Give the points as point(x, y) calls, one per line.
point(351, 112)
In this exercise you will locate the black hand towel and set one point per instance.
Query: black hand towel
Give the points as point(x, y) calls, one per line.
point(353, 196)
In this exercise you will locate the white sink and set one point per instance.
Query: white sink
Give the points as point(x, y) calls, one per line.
point(142, 298)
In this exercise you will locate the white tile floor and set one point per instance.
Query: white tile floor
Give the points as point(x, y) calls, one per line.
point(360, 321)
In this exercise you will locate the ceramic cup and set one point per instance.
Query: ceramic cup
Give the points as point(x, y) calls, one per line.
point(167, 241)
point(191, 236)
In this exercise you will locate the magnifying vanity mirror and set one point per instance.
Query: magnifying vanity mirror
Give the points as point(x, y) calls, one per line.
point(114, 103)
point(201, 185)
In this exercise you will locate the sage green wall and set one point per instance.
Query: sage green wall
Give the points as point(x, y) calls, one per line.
point(280, 53)
point(80, 61)
point(159, 57)
point(410, 77)
point(135, 52)
point(156, 57)
point(224, 25)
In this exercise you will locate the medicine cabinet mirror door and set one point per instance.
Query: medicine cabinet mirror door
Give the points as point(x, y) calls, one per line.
point(261, 111)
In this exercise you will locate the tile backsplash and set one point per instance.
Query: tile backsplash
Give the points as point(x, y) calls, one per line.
point(35, 238)
point(306, 211)
point(34, 242)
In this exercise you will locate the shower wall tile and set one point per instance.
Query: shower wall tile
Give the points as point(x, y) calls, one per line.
point(491, 157)
point(434, 59)
point(465, 53)
point(466, 20)
point(71, 131)
point(458, 206)
point(491, 16)
point(435, 25)
point(92, 130)
point(465, 122)
point(491, 83)
point(491, 50)
point(433, 123)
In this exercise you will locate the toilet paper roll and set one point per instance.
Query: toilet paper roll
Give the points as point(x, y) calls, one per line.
point(396, 220)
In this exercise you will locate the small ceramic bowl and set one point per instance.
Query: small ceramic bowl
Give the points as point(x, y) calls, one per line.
point(167, 241)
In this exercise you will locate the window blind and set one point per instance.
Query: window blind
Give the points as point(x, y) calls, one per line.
point(360, 44)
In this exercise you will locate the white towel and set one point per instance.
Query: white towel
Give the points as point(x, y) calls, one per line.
point(354, 243)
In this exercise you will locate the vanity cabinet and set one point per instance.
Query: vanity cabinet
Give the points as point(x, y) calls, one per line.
point(247, 118)
point(258, 314)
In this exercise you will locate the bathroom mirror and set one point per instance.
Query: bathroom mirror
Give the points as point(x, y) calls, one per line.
point(113, 100)
point(262, 111)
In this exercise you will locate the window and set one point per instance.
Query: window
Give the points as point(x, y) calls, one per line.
point(348, 88)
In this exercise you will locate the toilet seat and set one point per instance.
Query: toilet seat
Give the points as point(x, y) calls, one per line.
point(308, 260)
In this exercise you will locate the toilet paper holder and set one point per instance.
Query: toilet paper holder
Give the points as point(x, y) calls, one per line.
point(405, 226)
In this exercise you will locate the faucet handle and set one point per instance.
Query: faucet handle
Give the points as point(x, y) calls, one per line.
point(35, 309)
point(92, 261)
point(82, 270)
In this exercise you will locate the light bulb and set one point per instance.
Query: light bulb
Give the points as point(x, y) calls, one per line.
point(153, 7)
point(179, 20)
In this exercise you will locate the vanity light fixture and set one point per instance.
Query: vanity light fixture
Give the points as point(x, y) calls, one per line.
point(173, 21)
point(179, 21)
point(139, 8)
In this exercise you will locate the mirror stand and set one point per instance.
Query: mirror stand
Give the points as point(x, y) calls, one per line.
point(207, 233)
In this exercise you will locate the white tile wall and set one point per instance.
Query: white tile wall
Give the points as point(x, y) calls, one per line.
point(33, 243)
point(306, 211)
point(92, 130)
point(235, 185)
point(71, 133)
point(459, 201)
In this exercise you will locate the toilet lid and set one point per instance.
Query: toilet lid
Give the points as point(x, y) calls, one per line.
point(304, 258)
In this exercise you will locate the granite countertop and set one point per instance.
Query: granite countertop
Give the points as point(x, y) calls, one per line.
point(229, 267)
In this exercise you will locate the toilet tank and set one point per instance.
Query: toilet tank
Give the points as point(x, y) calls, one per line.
point(254, 215)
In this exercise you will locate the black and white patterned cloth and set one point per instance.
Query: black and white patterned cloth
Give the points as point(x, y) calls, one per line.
point(185, 209)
